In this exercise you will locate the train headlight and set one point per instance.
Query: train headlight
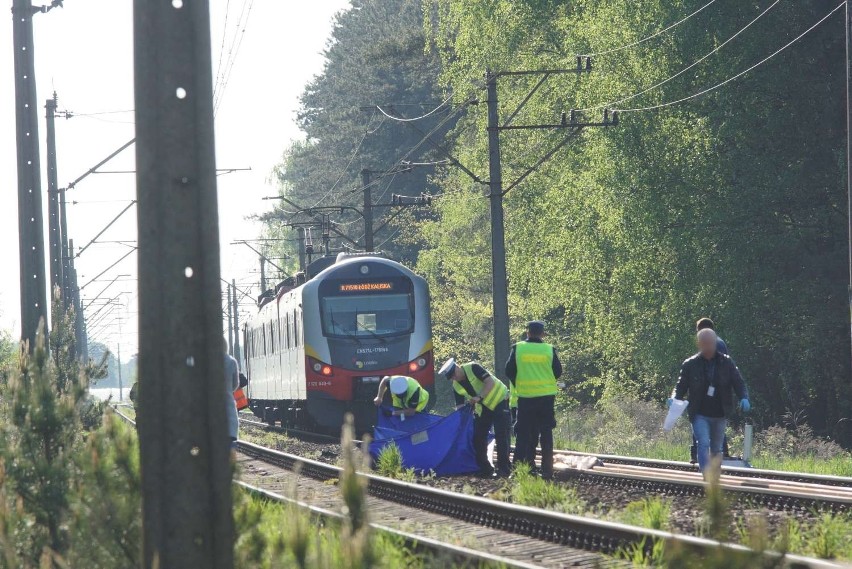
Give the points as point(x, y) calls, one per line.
point(365, 269)
point(326, 370)
point(421, 362)
point(413, 366)
point(317, 367)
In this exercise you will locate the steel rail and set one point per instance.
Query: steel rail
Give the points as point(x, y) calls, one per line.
point(823, 479)
point(414, 542)
point(564, 529)
point(572, 531)
point(608, 459)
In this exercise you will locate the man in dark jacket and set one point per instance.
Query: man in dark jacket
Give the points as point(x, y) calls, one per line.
point(708, 379)
point(722, 348)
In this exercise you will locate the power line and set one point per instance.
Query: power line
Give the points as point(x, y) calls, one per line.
point(232, 54)
point(652, 36)
point(687, 68)
point(348, 164)
point(738, 75)
point(430, 113)
point(222, 47)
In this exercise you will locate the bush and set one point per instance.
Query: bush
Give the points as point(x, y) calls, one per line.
point(389, 463)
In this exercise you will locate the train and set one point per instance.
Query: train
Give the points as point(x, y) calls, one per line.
point(321, 342)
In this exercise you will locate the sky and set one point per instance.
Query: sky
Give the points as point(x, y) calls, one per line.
point(84, 52)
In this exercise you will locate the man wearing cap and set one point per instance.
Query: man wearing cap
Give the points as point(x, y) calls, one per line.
point(475, 385)
point(533, 368)
point(407, 396)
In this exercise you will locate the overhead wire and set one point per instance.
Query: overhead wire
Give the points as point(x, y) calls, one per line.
point(348, 164)
point(222, 47)
point(421, 117)
point(652, 36)
point(233, 52)
point(685, 69)
point(738, 75)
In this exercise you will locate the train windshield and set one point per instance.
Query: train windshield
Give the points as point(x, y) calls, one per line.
point(367, 315)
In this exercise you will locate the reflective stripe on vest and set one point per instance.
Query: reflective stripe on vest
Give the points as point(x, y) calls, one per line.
point(535, 369)
point(241, 399)
point(497, 394)
point(413, 387)
point(513, 397)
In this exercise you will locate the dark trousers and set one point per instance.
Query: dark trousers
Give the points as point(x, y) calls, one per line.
point(536, 420)
point(499, 419)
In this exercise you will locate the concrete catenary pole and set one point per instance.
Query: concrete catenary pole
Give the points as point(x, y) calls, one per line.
point(34, 307)
point(186, 470)
point(230, 322)
point(237, 352)
point(368, 211)
point(498, 241)
point(54, 229)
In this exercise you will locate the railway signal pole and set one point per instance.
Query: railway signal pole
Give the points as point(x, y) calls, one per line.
point(34, 306)
point(186, 470)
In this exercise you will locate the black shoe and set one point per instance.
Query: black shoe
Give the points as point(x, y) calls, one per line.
point(503, 473)
point(486, 474)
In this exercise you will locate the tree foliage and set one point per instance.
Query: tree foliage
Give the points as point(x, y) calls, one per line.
point(731, 205)
point(376, 56)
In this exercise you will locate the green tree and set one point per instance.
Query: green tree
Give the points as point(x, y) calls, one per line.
point(375, 56)
point(730, 205)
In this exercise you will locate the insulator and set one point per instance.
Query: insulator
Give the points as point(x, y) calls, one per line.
point(606, 116)
point(579, 63)
point(573, 116)
point(588, 64)
point(614, 118)
point(564, 119)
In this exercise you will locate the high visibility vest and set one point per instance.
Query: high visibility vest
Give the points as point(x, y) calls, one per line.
point(535, 370)
point(241, 399)
point(513, 397)
point(496, 396)
point(413, 387)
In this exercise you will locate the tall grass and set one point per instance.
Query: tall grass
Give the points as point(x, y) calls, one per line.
point(632, 427)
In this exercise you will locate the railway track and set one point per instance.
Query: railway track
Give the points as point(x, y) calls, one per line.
point(777, 490)
point(506, 534)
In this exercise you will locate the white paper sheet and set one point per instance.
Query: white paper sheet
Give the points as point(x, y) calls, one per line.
point(675, 411)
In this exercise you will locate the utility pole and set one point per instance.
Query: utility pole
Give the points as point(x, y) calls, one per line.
point(54, 229)
point(849, 152)
point(496, 192)
point(66, 260)
point(237, 352)
point(300, 232)
point(74, 299)
point(185, 460)
point(499, 285)
point(230, 321)
point(34, 307)
point(368, 211)
point(262, 273)
point(118, 350)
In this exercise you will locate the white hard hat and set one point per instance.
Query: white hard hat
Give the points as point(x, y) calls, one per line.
point(398, 385)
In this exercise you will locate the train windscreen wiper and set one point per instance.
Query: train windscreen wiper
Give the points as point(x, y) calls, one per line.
point(373, 334)
point(335, 323)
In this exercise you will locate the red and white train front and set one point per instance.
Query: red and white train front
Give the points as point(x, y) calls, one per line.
point(360, 319)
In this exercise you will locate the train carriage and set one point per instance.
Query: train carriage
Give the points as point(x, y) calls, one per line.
point(317, 351)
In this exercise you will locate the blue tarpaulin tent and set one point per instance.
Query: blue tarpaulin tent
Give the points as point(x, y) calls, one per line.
point(443, 445)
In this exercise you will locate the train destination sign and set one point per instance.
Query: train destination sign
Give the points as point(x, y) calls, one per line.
point(366, 287)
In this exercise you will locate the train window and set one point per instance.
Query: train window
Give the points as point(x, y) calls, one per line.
point(362, 315)
point(263, 351)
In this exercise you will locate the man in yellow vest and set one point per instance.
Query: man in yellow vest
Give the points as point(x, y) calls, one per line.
point(533, 368)
point(407, 396)
point(475, 385)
